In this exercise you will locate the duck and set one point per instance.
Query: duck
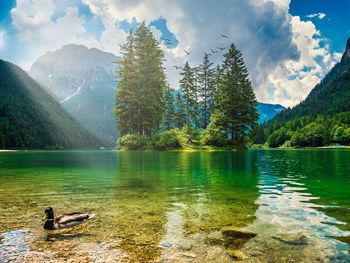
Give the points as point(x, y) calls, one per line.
point(66, 220)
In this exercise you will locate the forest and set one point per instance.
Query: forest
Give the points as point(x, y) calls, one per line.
point(214, 107)
point(306, 131)
point(322, 119)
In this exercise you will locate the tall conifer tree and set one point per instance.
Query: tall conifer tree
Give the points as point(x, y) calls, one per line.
point(141, 89)
point(235, 98)
point(126, 107)
point(188, 85)
point(180, 110)
point(206, 90)
point(169, 110)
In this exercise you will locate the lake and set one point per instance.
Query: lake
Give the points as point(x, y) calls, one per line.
point(281, 205)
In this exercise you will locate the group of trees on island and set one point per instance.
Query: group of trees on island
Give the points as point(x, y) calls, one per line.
point(214, 106)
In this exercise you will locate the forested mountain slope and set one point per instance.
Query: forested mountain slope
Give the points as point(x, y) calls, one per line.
point(31, 118)
point(84, 81)
point(321, 119)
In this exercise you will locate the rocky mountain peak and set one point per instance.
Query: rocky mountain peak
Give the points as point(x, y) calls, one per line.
point(346, 56)
point(73, 68)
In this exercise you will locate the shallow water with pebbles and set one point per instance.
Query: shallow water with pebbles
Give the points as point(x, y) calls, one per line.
point(254, 206)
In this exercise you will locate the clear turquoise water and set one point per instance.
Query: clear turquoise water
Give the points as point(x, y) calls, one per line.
point(168, 206)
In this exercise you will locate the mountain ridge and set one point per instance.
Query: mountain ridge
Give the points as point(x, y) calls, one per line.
point(267, 111)
point(30, 118)
point(323, 118)
point(84, 80)
point(329, 96)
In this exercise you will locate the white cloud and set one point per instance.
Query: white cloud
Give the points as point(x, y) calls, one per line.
point(265, 40)
point(285, 56)
point(318, 15)
point(39, 33)
point(292, 80)
point(2, 39)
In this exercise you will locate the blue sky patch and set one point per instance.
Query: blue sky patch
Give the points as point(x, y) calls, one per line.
point(168, 37)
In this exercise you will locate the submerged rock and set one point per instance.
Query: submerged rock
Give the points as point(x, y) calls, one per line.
point(189, 255)
point(184, 245)
point(166, 244)
point(292, 238)
point(232, 231)
point(236, 254)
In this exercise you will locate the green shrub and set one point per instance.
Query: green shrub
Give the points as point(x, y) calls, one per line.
point(196, 137)
point(341, 135)
point(134, 142)
point(168, 140)
point(278, 137)
point(313, 134)
point(172, 139)
point(213, 136)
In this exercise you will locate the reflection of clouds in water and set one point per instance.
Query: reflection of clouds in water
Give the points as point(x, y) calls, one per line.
point(285, 208)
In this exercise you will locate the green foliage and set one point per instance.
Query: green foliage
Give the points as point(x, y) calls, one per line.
point(141, 89)
point(134, 142)
point(313, 134)
point(187, 84)
point(169, 111)
point(180, 111)
point(323, 118)
point(31, 118)
point(279, 137)
point(341, 135)
point(235, 99)
point(214, 134)
point(308, 131)
point(172, 139)
point(145, 104)
point(206, 89)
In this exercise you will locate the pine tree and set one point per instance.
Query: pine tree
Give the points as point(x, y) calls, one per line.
point(196, 105)
point(141, 88)
point(207, 89)
point(151, 80)
point(180, 111)
point(169, 110)
point(235, 98)
point(126, 107)
point(187, 84)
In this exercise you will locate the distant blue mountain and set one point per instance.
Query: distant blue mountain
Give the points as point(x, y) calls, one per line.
point(268, 111)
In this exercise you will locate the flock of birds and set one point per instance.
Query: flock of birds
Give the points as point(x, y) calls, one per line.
point(168, 42)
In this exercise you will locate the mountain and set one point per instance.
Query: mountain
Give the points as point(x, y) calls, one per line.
point(268, 111)
point(321, 119)
point(330, 96)
point(346, 56)
point(84, 82)
point(31, 118)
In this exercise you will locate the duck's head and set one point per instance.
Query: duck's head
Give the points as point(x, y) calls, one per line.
point(48, 213)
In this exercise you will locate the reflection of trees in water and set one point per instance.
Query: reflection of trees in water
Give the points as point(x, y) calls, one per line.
point(212, 190)
point(223, 191)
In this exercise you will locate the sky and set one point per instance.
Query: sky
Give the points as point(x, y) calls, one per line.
point(288, 45)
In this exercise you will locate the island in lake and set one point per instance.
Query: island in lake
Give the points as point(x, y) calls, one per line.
point(149, 121)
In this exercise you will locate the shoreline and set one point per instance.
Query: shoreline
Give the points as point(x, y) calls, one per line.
point(182, 150)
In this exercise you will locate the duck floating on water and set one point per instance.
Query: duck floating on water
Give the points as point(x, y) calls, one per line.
point(65, 220)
